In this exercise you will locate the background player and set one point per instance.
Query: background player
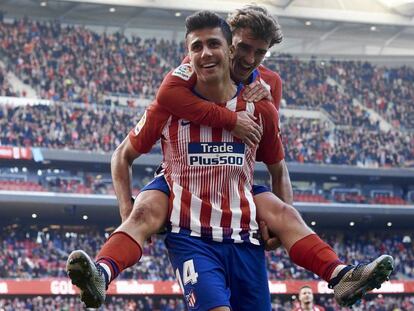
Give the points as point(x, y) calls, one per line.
point(306, 301)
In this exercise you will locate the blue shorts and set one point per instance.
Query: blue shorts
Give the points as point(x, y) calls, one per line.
point(214, 274)
point(159, 183)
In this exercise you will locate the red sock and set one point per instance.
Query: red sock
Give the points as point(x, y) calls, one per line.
point(119, 252)
point(315, 255)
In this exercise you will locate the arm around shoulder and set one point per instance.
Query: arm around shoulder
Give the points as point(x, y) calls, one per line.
point(176, 96)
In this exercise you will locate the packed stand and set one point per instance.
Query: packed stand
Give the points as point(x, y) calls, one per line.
point(333, 85)
point(314, 141)
point(352, 248)
point(101, 129)
point(61, 126)
point(31, 254)
point(388, 91)
point(73, 63)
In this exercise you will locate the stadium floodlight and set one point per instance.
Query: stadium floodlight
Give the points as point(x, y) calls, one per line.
point(373, 28)
point(389, 224)
point(352, 224)
point(177, 14)
point(85, 217)
point(308, 23)
point(34, 215)
point(43, 3)
point(313, 223)
point(112, 9)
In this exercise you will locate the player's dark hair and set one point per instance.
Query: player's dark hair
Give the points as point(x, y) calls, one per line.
point(256, 18)
point(207, 19)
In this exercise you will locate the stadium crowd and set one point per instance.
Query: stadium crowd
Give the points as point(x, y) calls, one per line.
point(101, 129)
point(146, 303)
point(75, 64)
point(33, 254)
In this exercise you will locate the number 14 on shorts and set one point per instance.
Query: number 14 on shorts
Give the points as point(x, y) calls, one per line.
point(189, 274)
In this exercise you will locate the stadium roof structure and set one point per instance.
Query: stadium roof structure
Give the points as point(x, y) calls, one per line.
point(311, 27)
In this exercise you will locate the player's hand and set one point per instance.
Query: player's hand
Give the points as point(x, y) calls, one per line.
point(271, 242)
point(247, 129)
point(256, 91)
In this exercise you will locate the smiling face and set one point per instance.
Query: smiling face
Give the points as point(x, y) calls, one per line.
point(249, 52)
point(209, 54)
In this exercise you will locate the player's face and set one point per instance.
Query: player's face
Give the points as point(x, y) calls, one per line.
point(248, 54)
point(209, 54)
point(306, 295)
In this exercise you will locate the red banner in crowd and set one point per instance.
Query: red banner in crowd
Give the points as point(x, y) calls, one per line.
point(7, 152)
point(65, 287)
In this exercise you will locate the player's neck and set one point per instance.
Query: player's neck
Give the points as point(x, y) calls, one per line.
point(217, 91)
point(307, 306)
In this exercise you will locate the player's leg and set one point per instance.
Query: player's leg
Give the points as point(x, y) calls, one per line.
point(249, 283)
point(307, 250)
point(148, 215)
point(282, 219)
point(123, 248)
point(199, 269)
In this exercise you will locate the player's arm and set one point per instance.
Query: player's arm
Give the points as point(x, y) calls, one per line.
point(280, 181)
point(139, 140)
point(271, 152)
point(176, 96)
point(121, 170)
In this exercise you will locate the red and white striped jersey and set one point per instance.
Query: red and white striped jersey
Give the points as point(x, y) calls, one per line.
point(209, 171)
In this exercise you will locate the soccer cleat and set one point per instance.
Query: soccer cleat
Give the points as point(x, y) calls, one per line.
point(353, 282)
point(88, 276)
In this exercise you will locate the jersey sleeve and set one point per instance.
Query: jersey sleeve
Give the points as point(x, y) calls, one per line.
point(149, 128)
point(275, 82)
point(270, 150)
point(176, 96)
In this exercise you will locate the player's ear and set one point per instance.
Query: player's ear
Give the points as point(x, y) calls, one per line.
point(232, 50)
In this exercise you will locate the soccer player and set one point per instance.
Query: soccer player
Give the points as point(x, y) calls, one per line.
point(305, 248)
point(254, 32)
point(212, 240)
point(306, 300)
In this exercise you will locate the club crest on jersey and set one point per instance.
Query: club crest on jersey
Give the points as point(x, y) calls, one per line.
point(216, 154)
point(140, 124)
point(191, 299)
point(184, 71)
